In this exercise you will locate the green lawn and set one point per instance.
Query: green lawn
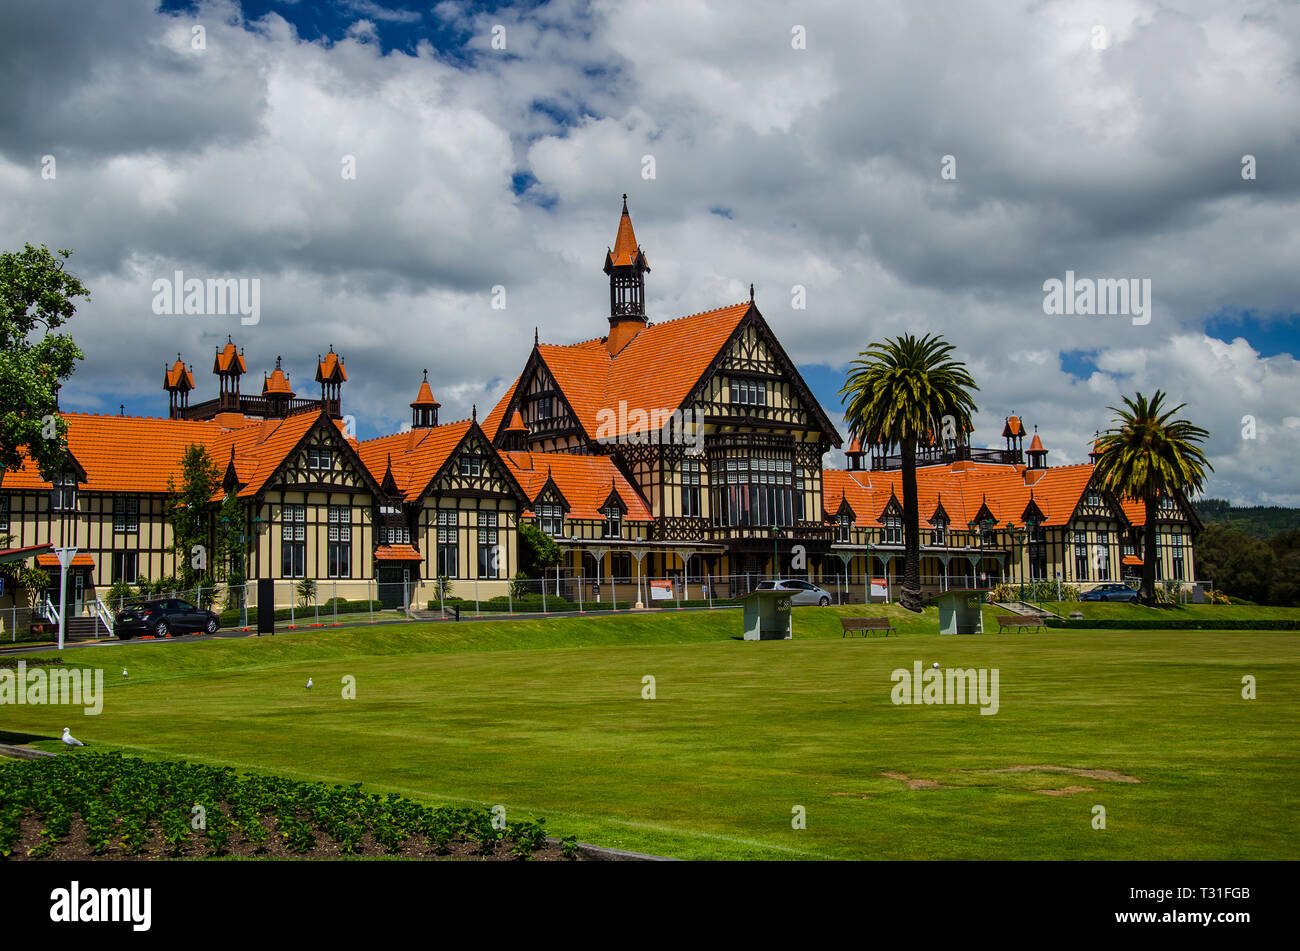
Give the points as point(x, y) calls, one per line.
point(546, 717)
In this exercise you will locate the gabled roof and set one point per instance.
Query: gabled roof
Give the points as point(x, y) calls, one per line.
point(964, 489)
point(492, 424)
point(584, 481)
point(229, 360)
point(330, 369)
point(178, 378)
point(417, 456)
point(626, 251)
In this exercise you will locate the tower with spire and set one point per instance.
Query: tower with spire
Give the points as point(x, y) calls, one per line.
point(424, 408)
point(626, 266)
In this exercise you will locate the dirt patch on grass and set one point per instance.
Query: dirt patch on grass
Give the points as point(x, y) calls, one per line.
point(1104, 775)
point(1064, 791)
point(914, 783)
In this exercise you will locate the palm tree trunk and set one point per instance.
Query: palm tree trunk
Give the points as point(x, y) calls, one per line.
point(911, 594)
point(1149, 553)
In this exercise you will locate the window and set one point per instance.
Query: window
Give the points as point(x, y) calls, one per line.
point(293, 541)
point(1101, 554)
point(471, 465)
point(893, 533)
point(939, 532)
point(691, 488)
point(339, 546)
point(550, 518)
point(320, 457)
point(394, 532)
point(1176, 552)
point(126, 515)
point(1037, 552)
point(749, 392)
point(620, 565)
point(613, 520)
point(1092, 498)
point(987, 537)
point(63, 494)
point(756, 492)
point(487, 544)
point(1131, 540)
point(844, 528)
point(799, 509)
point(1081, 559)
point(448, 544)
point(126, 565)
point(4, 513)
point(544, 408)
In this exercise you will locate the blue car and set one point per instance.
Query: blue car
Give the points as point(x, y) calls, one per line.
point(1110, 592)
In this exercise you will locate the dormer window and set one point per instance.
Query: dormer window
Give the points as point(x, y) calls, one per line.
point(939, 532)
point(550, 518)
point(613, 520)
point(893, 534)
point(1092, 499)
point(471, 465)
point(320, 457)
point(844, 528)
point(63, 493)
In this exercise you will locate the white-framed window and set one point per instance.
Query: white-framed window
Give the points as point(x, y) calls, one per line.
point(939, 532)
point(448, 543)
point(550, 519)
point(126, 565)
point(320, 457)
point(691, 488)
point(293, 540)
point(893, 531)
point(613, 520)
point(339, 545)
point(63, 493)
point(844, 528)
point(471, 465)
point(126, 514)
point(487, 543)
point(4, 513)
point(749, 392)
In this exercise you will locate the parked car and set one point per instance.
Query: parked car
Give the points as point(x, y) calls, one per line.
point(801, 592)
point(1111, 591)
point(162, 617)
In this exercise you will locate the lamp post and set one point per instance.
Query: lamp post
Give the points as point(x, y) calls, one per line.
point(65, 559)
point(776, 565)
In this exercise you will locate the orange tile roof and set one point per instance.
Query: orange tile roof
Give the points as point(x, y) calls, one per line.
point(416, 456)
point(425, 396)
point(178, 378)
point(1013, 427)
point(1131, 560)
point(331, 369)
point(1036, 445)
point(584, 481)
point(277, 382)
point(228, 359)
point(653, 373)
point(516, 423)
point(397, 553)
point(494, 419)
point(626, 250)
point(963, 489)
point(80, 560)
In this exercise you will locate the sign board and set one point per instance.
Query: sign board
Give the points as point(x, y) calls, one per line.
point(880, 587)
point(661, 590)
point(65, 556)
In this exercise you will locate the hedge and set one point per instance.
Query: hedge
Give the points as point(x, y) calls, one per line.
point(1178, 624)
point(235, 615)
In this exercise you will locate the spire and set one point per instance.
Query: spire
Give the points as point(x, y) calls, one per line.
point(1037, 454)
point(751, 292)
point(626, 266)
point(424, 408)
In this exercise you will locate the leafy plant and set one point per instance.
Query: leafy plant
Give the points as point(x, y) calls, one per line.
point(306, 591)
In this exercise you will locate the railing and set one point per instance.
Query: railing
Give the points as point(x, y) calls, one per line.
point(101, 611)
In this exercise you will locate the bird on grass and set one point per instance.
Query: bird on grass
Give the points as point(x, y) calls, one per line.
point(70, 740)
point(308, 683)
point(123, 671)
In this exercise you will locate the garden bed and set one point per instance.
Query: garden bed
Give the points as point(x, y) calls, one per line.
point(86, 805)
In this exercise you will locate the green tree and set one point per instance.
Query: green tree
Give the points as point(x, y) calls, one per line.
point(1147, 455)
point(537, 550)
point(19, 575)
point(36, 298)
point(900, 392)
point(1239, 566)
point(230, 548)
point(188, 511)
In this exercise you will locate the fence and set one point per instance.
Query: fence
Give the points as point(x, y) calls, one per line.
point(328, 603)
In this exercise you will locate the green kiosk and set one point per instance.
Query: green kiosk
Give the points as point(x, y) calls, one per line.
point(767, 616)
point(961, 611)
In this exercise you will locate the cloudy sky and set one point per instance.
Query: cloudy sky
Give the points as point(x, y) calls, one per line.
point(914, 165)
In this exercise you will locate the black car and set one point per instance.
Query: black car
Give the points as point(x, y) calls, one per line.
point(162, 617)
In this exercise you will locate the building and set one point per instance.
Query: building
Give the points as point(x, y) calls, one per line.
point(682, 449)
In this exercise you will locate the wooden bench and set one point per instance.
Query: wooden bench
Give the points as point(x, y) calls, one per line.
point(866, 625)
point(1018, 620)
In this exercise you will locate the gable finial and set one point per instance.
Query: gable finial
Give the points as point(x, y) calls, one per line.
point(625, 203)
point(751, 292)
point(474, 413)
point(534, 335)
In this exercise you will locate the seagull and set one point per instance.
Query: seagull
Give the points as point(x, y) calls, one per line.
point(308, 683)
point(71, 740)
point(123, 671)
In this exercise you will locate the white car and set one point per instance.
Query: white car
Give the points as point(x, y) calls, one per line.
point(801, 592)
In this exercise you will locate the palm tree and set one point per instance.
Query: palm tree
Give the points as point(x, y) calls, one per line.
point(1148, 456)
point(899, 393)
